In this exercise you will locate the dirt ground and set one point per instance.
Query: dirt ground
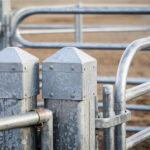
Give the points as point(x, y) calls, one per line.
point(107, 60)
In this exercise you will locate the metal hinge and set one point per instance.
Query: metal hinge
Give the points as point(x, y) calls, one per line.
point(101, 123)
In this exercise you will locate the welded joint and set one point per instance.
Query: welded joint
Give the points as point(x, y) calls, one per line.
point(101, 123)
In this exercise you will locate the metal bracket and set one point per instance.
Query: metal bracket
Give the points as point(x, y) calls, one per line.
point(101, 123)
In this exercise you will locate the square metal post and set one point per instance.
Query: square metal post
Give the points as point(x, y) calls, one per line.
point(69, 90)
point(19, 86)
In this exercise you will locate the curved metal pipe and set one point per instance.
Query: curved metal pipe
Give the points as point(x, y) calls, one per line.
point(120, 85)
point(25, 12)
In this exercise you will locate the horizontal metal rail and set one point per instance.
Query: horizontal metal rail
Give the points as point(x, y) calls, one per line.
point(105, 28)
point(137, 91)
point(46, 29)
point(23, 13)
point(138, 138)
point(135, 128)
point(23, 120)
point(137, 107)
point(30, 119)
point(130, 80)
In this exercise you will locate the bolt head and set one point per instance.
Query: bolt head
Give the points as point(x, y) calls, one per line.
point(72, 68)
point(14, 95)
point(51, 94)
point(51, 67)
point(72, 96)
point(13, 68)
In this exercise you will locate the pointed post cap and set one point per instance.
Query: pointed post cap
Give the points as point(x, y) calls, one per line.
point(67, 56)
point(19, 76)
point(65, 74)
point(16, 59)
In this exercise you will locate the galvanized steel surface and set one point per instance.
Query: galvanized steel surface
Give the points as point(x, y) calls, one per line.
point(113, 121)
point(63, 75)
point(108, 112)
point(137, 91)
point(74, 116)
point(120, 86)
point(18, 82)
point(138, 138)
point(23, 13)
point(19, 139)
point(19, 77)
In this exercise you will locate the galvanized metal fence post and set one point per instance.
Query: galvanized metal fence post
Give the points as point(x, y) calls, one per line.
point(69, 90)
point(19, 86)
point(108, 112)
point(5, 7)
point(78, 26)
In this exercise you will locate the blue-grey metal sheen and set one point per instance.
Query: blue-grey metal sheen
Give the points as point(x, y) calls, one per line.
point(69, 90)
point(18, 90)
point(120, 87)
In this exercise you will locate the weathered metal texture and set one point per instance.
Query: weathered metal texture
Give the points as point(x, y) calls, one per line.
point(5, 7)
point(17, 95)
point(113, 121)
point(66, 75)
point(47, 133)
point(19, 139)
point(69, 90)
point(120, 87)
point(18, 74)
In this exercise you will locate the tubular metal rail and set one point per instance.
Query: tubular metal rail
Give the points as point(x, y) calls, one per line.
point(32, 118)
point(23, 13)
point(121, 95)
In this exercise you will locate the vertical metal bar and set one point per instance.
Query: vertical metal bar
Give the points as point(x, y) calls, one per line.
point(5, 7)
point(47, 133)
point(69, 90)
point(108, 134)
point(96, 132)
point(78, 26)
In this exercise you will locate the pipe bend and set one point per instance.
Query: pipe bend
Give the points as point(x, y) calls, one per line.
point(122, 72)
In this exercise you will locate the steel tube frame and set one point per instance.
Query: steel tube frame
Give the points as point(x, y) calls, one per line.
point(23, 13)
point(120, 87)
point(78, 26)
point(137, 138)
point(137, 91)
point(101, 28)
point(30, 119)
point(128, 106)
point(108, 112)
